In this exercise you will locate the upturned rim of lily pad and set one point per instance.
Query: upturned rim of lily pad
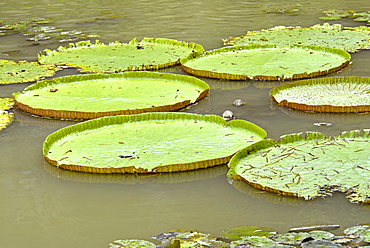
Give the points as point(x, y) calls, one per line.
point(144, 47)
point(336, 94)
point(53, 98)
point(325, 30)
point(305, 166)
point(284, 69)
point(149, 143)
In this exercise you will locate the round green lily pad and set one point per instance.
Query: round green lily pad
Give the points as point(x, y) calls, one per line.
point(20, 72)
point(149, 143)
point(91, 96)
point(308, 167)
point(266, 62)
point(349, 39)
point(148, 54)
point(334, 94)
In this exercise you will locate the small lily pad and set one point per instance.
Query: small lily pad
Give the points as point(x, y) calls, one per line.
point(148, 54)
point(266, 62)
point(149, 143)
point(131, 243)
point(91, 96)
point(190, 239)
point(349, 39)
point(5, 117)
point(308, 167)
point(334, 94)
point(22, 71)
point(242, 231)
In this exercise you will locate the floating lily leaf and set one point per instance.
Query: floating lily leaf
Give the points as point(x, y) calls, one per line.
point(91, 96)
point(148, 54)
point(320, 243)
point(255, 241)
point(296, 238)
point(148, 143)
point(5, 117)
point(362, 231)
point(131, 243)
point(349, 39)
point(242, 231)
point(266, 62)
point(339, 14)
point(335, 94)
point(22, 71)
point(191, 239)
point(308, 167)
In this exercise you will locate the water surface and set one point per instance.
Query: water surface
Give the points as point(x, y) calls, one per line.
point(42, 206)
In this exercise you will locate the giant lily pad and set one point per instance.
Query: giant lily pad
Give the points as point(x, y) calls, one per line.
point(5, 117)
point(266, 62)
point(149, 142)
point(308, 167)
point(22, 71)
point(349, 39)
point(90, 96)
point(335, 94)
point(148, 54)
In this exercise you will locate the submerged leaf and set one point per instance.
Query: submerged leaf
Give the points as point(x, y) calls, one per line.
point(308, 167)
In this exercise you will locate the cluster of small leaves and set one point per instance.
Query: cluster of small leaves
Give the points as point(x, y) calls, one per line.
point(254, 236)
point(334, 14)
point(35, 31)
point(287, 11)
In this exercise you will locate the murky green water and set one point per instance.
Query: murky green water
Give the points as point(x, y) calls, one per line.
point(42, 206)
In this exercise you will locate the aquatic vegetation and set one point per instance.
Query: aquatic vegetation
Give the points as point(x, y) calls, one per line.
point(242, 231)
point(335, 14)
point(149, 143)
point(131, 243)
point(147, 54)
point(355, 236)
point(294, 11)
point(308, 167)
point(35, 32)
point(5, 117)
point(266, 62)
point(186, 238)
point(23, 71)
point(335, 94)
point(91, 96)
point(349, 39)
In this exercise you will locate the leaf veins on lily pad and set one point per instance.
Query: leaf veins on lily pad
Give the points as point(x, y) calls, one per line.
point(23, 71)
point(334, 94)
point(91, 96)
point(266, 62)
point(308, 167)
point(149, 143)
point(148, 54)
point(349, 39)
